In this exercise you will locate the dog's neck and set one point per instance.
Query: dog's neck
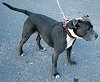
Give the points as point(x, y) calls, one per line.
point(73, 34)
point(67, 30)
point(70, 40)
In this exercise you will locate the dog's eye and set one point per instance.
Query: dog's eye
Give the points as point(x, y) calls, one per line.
point(77, 25)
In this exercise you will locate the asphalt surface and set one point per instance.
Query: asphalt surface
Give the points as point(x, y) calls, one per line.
point(36, 66)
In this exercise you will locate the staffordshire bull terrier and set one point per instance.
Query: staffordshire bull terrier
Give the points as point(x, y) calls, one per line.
point(56, 34)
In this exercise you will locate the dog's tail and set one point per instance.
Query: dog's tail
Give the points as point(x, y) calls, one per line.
point(19, 10)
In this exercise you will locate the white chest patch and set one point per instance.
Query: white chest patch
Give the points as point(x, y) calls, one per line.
point(69, 41)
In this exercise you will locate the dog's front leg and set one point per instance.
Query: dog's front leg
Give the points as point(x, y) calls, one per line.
point(69, 56)
point(54, 65)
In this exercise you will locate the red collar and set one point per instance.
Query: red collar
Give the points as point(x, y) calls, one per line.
point(66, 29)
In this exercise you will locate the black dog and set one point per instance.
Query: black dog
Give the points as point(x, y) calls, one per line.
point(54, 34)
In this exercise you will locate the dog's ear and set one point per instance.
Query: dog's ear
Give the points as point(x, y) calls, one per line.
point(76, 23)
point(86, 16)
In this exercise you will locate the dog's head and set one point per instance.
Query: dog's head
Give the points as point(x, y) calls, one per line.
point(82, 27)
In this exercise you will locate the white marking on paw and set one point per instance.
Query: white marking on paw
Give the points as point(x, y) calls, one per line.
point(31, 63)
point(57, 76)
point(23, 54)
point(43, 50)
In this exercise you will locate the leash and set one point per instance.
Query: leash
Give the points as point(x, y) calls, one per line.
point(65, 20)
point(62, 12)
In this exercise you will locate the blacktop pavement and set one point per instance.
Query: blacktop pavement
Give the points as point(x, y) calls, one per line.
point(36, 66)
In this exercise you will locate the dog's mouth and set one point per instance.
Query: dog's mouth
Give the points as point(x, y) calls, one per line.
point(91, 37)
point(88, 35)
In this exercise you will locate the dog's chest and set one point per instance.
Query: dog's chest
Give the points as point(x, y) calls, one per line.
point(69, 41)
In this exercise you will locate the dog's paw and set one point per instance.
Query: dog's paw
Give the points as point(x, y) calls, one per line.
point(75, 80)
point(22, 54)
point(56, 75)
point(72, 62)
point(42, 49)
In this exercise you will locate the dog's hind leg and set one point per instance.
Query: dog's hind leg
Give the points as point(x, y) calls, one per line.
point(27, 32)
point(23, 40)
point(38, 39)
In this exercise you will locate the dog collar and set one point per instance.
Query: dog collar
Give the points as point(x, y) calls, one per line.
point(66, 30)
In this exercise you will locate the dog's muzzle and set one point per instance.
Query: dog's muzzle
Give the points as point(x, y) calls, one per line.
point(91, 36)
